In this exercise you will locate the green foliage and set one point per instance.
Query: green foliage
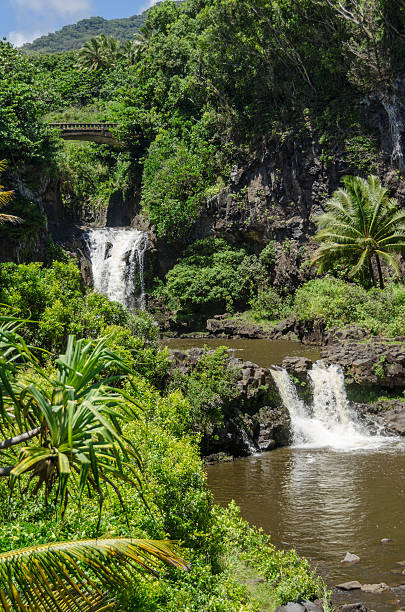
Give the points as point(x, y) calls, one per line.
point(338, 303)
point(54, 301)
point(74, 36)
point(268, 255)
point(90, 174)
point(361, 224)
point(270, 305)
point(175, 178)
point(210, 387)
point(22, 135)
point(212, 277)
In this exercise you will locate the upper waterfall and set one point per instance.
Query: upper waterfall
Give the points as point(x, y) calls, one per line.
point(117, 262)
point(329, 420)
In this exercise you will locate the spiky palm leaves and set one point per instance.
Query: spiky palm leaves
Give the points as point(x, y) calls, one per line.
point(361, 225)
point(95, 54)
point(5, 198)
point(78, 576)
point(106, 51)
point(80, 441)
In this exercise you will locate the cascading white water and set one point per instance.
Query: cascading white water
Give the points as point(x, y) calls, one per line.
point(391, 107)
point(329, 421)
point(117, 263)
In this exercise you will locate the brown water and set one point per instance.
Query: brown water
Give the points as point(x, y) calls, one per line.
point(324, 503)
point(263, 352)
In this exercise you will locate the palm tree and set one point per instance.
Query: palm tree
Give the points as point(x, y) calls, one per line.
point(99, 53)
point(361, 225)
point(76, 415)
point(77, 575)
point(5, 198)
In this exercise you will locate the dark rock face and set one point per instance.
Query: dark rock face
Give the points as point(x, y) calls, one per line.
point(394, 419)
point(375, 363)
point(255, 420)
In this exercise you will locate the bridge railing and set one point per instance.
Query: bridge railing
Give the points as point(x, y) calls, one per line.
point(83, 126)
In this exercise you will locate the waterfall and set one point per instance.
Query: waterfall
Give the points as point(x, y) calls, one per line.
point(328, 421)
point(117, 263)
point(395, 124)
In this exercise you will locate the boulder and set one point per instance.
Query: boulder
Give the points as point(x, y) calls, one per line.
point(395, 418)
point(349, 586)
point(297, 366)
point(291, 607)
point(380, 587)
point(355, 607)
point(350, 558)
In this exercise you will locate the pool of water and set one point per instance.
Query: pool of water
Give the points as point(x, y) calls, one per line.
point(263, 352)
point(324, 503)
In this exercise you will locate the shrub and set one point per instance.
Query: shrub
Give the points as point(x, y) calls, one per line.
point(212, 277)
point(381, 311)
point(209, 387)
point(270, 305)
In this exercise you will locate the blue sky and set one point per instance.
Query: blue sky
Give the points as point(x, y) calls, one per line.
point(23, 20)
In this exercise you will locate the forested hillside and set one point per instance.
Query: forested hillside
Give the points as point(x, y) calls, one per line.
point(74, 36)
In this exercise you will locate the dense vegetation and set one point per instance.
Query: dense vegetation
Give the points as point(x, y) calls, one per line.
point(206, 85)
point(95, 419)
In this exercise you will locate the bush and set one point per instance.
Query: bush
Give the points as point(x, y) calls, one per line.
point(270, 305)
point(209, 387)
point(337, 303)
point(212, 277)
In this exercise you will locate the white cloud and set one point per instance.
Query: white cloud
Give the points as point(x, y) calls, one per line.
point(59, 7)
point(148, 4)
point(19, 38)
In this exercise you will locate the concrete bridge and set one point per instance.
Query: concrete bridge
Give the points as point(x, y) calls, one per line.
point(95, 132)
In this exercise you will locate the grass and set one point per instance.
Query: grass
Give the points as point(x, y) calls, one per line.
point(257, 586)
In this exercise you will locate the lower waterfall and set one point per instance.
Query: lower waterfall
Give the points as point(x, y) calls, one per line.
point(117, 263)
point(328, 421)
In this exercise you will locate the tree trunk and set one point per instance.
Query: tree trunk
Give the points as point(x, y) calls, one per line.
point(370, 267)
point(380, 276)
point(21, 438)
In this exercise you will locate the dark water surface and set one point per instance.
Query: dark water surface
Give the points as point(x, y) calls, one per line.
point(324, 503)
point(263, 352)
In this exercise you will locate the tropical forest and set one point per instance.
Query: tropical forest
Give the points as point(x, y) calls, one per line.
point(202, 310)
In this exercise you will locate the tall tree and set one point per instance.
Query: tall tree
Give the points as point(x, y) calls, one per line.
point(361, 225)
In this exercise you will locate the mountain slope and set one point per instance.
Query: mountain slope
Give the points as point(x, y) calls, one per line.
point(74, 36)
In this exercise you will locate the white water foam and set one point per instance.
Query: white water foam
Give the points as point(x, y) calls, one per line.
point(117, 263)
point(328, 421)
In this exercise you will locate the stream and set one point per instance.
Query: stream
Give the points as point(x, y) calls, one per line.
point(324, 503)
point(339, 488)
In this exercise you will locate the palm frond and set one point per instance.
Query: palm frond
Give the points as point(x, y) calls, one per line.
point(79, 575)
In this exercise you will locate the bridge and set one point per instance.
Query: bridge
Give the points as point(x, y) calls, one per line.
point(95, 132)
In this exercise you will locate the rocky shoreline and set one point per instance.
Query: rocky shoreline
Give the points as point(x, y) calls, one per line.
point(257, 421)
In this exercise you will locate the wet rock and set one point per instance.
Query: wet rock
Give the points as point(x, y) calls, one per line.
point(395, 418)
point(297, 366)
point(350, 558)
point(380, 587)
point(312, 606)
point(349, 586)
point(374, 363)
point(385, 540)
